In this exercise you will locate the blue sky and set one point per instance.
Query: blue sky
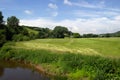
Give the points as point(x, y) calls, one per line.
point(83, 16)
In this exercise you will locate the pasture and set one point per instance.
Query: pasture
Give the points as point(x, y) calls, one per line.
point(109, 47)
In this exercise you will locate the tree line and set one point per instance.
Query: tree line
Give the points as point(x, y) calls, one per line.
point(12, 31)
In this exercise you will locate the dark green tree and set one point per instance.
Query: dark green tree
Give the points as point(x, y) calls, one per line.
point(12, 27)
point(44, 33)
point(60, 32)
point(2, 30)
point(13, 21)
point(1, 18)
point(76, 35)
point(90, 35)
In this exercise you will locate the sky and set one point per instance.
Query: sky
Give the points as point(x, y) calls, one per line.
point(82, 16)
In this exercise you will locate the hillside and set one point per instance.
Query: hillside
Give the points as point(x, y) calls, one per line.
point(30, 30)
point(115, 34)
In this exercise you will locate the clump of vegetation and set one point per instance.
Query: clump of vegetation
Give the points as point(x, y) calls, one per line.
point(73, 66)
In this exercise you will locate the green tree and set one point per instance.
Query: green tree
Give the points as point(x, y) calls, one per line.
point(20, 37)
point(60, 32)
point(1, 18)
point(76, 35)
point(44, 33)
point(2, 30)
point(13, 21)
point(90, 35)
point(12, 27)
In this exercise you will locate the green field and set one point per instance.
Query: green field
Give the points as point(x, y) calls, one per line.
point(69, 59)
point(90, 46)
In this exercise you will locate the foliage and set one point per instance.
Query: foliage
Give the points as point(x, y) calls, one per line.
point(10, 32)
point(1, 18)
point(44, 33)
point(2, 34)
point(76, 35)
point(20, 37)
point(60, 32)
point(116, 34)
point(13, 22)
point(2, 31)
point(32, 36)
point(90, 35)
point(2, 37)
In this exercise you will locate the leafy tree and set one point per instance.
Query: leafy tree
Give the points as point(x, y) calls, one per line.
point(1, 18)
point(76, 35)
point(20, 37)
point(12, 27)
point(90, 35)
point(2, 30)
point(32, 35)
point(44, 33)
point(23, 30)
point(13, 21)
point(9, 33)
point(60, 32)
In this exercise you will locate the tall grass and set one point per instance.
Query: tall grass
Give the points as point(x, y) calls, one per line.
point(109, 47)
point(72, 66)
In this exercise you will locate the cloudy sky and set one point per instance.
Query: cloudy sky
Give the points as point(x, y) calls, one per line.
point(83, 16)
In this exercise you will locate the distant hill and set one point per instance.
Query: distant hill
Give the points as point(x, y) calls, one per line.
point(115, 34)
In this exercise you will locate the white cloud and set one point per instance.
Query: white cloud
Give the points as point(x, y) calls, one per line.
point(85, 4)
point(88, 5)
point(53, 9)
point(93, 25)
point(117, 18)
point(99, 5)
point(28, 12)
point(67, 2)
point(52, 6)
point(93, 14)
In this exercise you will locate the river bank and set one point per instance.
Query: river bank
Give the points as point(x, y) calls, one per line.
point(18, 71)
point(65, 65)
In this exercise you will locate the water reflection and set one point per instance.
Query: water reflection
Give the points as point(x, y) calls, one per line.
point(15, 71)
point(1, 71)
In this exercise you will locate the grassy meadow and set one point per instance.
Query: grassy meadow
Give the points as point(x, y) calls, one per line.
point(69, 59)
point(109, 47)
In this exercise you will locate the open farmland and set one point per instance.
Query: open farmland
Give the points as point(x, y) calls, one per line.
point(109, 47)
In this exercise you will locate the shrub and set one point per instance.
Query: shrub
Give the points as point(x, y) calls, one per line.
point(20, 37)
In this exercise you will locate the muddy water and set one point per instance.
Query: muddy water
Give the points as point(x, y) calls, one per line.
point(16, 71)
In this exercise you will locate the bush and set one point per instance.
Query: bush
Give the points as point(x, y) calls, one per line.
point(2, 39)
point(76, 35)
point(20, 37)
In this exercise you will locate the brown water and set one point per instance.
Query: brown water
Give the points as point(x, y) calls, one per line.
point(15, 71)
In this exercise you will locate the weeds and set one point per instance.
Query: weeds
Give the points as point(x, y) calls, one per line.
point(73, 66)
